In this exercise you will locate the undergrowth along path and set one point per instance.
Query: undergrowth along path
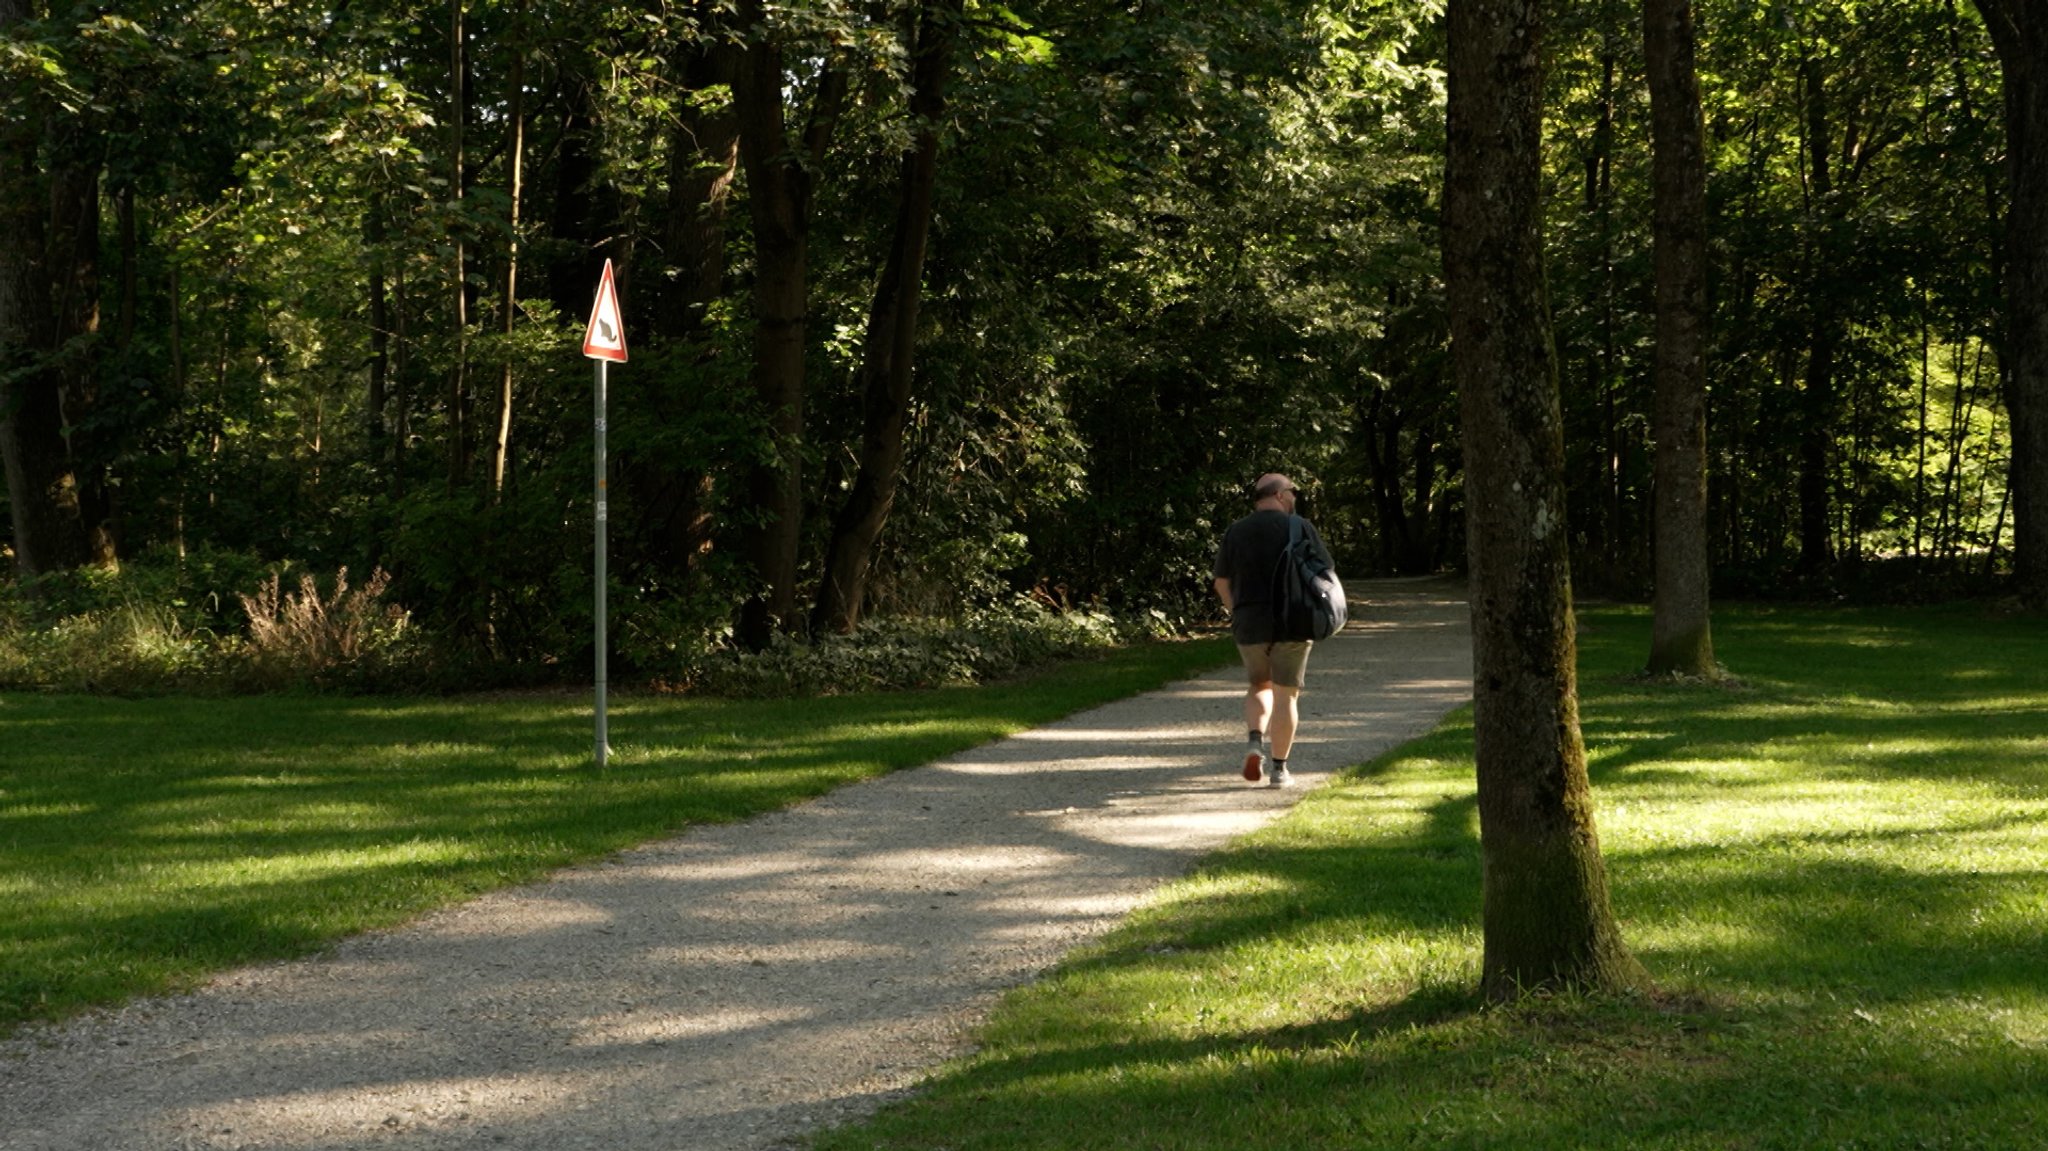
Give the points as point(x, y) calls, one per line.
point(738, 985)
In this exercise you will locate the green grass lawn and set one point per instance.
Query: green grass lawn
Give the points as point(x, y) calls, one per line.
point(146, 843)
point(1835, 873)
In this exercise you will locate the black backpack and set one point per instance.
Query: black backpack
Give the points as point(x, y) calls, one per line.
point(1308, 600)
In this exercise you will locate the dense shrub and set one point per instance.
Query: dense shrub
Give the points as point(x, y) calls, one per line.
point(171, 624)
point(199, 589)
point(126, 650)
point(912, 653)
point(97, 633)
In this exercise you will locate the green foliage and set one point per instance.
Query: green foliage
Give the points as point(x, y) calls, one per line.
point(1889, 265)
point(1174, 245)
point(1165, 238)
point(503, 580)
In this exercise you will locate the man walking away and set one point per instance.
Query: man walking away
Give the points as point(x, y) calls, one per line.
point(1275, 664)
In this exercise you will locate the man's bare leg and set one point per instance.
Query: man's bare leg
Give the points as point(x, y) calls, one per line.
point(1258, 712)
point(1284, 705)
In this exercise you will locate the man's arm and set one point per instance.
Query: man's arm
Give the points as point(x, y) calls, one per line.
point(1223, 589)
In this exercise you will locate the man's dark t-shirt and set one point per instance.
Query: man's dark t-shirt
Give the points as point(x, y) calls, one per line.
point(1250, 551)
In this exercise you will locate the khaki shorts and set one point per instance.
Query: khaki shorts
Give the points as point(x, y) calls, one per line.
point(1284, 663)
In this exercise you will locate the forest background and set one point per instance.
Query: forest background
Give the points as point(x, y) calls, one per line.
point(935, 307)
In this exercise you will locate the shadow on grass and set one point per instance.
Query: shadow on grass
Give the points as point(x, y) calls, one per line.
point(1482, 1081)
point(1840, 891)
point(144, 843)
point(1845, 1020)
point(1844, 1023)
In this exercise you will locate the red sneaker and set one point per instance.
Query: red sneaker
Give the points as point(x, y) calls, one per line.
point(1252, 762)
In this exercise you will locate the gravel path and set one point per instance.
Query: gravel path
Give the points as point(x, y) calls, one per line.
point(736, 986)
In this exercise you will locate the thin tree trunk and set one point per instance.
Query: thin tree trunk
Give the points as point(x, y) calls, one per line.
point(1744, 287)
point(1961, 413)
point(1817, 423)
point(1984, 478)
point(182, 474)
point(1379, 438)
point(1734, 481)
point(1546, 914)
point(1612, 530)
point(890, 347)
point(1920, 440)
point(508, 303)
point(2004, 505)
point(75, 232)
point(374, 229)
point(401, 378)
point(1418, 550)
point(458, 374)
point(177, 310)
point(1853, 516)
point(124, 208)
point(217, 433)
point(1681, 638)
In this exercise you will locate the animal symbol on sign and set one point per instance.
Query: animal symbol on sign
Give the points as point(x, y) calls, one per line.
point(604, 329)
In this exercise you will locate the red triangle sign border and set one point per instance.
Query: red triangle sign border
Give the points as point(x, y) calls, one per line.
point(605, 336)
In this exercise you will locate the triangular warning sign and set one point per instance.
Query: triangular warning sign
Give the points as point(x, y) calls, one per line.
point(605, 338)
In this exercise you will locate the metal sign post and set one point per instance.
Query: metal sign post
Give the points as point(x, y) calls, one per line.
point(604, 341)
point(603, 747)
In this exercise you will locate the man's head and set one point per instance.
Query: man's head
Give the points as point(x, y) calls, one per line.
point(1274, 491)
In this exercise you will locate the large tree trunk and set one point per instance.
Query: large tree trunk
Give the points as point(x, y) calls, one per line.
point(1680, 633)
point(2019, 30)
point(1547, 919)
point(676, 500)
point(778, 197)
point(703, 156)
point(779, 193)
point(49, 309)
point(891, 342)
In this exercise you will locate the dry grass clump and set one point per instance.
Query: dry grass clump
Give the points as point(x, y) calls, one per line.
point(305, 636)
